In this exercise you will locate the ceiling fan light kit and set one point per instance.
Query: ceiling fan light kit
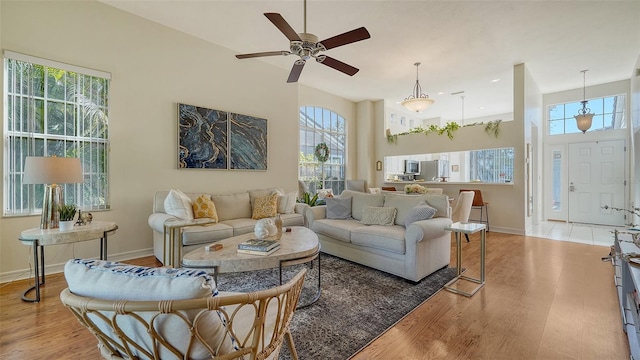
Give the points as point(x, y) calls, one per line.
point(417, 101)
point(584, 117)
point(306, 46)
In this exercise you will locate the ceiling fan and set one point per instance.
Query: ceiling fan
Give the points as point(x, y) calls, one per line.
point(307, 46)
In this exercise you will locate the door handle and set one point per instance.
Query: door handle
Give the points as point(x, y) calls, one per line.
point(572, 187)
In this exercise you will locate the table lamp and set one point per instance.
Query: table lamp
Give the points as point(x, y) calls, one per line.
point(52, 171)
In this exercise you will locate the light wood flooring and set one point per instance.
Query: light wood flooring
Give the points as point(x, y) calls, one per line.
point(543, 299)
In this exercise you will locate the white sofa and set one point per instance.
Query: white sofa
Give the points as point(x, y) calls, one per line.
point(412, 253)
point(234, 213)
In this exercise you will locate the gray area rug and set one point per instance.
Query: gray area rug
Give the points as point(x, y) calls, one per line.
point(357, 304)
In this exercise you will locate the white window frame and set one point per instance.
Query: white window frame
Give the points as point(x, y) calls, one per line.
point(83, 132)
point(598, 123)
point(336, 139)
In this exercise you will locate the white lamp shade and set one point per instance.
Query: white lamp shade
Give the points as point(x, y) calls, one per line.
point(417, 104)
point(584, 122)
point(52, 170)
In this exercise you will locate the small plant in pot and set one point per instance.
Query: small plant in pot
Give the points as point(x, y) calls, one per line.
point(67, 213)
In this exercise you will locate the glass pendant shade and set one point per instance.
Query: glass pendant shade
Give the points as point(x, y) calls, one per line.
point(418, 104)
point(584, 122)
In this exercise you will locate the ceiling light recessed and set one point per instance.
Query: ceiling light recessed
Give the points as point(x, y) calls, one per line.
point(481, 107)
point(440, 93)
point(495, 80)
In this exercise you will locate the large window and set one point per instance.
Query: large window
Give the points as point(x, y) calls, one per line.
point(54, 109)
point(318, 125)
point(491, 165)
point(608, 115)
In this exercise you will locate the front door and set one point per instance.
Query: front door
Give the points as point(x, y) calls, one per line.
point(596, 179)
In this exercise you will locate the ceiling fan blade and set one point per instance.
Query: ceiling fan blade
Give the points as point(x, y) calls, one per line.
point(283, 26)
point(338, 65)
point(260, 54)
point(295, 71)
point(346, 38)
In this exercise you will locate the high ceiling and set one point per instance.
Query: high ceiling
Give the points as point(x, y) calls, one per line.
point(462, 45)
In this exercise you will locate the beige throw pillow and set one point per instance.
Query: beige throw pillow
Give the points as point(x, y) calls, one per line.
point(265, 206)
point(375, 215)
point(203, 207)
point(287, 203)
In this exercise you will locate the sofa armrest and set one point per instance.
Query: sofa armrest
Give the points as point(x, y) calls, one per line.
point(301, 208)
point(427, 229)
point(157, 221)
point(312, 213)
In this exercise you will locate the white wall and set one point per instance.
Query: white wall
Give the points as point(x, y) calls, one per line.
point(153, 68)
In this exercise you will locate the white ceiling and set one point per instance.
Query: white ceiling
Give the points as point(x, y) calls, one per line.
point(462, 45)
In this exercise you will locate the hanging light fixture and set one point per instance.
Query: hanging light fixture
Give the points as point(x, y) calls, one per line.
point(584, 117)
point(417, 101)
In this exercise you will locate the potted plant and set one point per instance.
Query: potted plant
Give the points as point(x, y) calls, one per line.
point(67, 213)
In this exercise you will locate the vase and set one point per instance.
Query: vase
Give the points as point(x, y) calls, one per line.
point(66, 225)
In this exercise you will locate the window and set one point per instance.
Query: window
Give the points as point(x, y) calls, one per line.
point(491, 165)
point(318, 125)
point(608, 114)
point(54, 109)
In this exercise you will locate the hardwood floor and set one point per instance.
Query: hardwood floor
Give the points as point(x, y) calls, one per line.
point(543, 299)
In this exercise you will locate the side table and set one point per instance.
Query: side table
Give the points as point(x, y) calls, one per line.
point(467, 229)
point(39, 238)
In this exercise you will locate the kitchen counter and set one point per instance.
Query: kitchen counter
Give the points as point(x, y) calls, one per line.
point(442, 183)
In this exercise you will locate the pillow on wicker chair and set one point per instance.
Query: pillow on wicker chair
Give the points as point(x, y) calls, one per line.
point(117, 281)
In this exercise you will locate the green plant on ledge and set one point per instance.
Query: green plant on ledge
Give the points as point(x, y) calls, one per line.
point(67, 212)
point(308, 199)
point(492, 128)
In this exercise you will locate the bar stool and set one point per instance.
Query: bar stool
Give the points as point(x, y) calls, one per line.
point(480, 204)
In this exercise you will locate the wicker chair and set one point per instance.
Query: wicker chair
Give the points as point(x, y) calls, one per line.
point(258, 323)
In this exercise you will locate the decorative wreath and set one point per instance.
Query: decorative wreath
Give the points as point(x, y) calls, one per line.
point(322, 152)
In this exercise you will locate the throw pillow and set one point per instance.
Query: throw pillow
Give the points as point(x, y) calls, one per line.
point(287, 203)
point(338, 208)
point(375, 215)
point(179, 205)
point(419, 212)
point(265, 206)
point(203, 207)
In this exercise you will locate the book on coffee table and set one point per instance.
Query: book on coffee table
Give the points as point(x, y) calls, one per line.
point(258, 245)
point(262, 253)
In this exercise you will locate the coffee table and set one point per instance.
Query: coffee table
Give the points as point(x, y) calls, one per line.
point(298, 246)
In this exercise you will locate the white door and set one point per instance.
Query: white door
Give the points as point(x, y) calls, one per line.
point(596, 178)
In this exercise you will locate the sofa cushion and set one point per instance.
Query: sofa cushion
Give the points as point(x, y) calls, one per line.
point(404, 204)
point(265, 206)
point(337, 229)
point(116, 281)
point(294, 219)
point(375, 215)
point(178, 204)
point(419, 212)
point(241, 226)
point(388, 238)
point(440, 203)
point(233, 206)
point(286, 203)
point(359, 200)
point(203, 207)
point(338, 208)
point(195, 235)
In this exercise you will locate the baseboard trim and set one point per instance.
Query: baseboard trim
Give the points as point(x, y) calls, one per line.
point(58, 268)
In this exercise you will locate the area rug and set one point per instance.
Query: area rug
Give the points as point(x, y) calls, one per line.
point(357, 304)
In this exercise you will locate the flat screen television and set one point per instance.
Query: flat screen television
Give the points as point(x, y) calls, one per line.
point(411, 167)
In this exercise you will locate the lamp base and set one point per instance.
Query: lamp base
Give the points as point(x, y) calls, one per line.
point(53, 198)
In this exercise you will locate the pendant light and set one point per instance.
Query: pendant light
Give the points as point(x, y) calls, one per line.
point(584, 117)
point(417, 101)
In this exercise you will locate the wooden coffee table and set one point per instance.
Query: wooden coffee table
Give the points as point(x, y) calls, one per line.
point(298, 246)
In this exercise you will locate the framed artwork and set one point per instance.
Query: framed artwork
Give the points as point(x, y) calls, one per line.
point(216, 139)
point(248, 150)
point(202, 138)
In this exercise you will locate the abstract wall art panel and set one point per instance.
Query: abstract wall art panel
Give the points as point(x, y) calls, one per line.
point(215, 139)
point(203, 141)
point(248, 135)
